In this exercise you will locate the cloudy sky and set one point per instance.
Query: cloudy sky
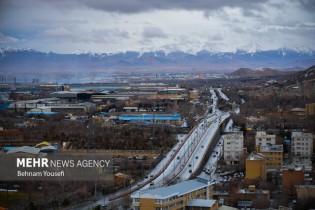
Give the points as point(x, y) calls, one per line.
point(68, 26)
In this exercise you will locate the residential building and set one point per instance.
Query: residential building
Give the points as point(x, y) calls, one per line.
point(274, 154)
point(305, 192)
point(172, 197)
point(258, 198)
point(290, 178)
point(264, 139)
point(256, 166)
point(302, 145)
point(233, 147)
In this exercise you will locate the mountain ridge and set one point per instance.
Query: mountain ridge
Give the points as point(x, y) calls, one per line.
point(29, 60)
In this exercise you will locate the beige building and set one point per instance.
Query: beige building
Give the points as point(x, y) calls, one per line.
point(256, 166)
point(274, 154)
point(233, 147)
point(264, 139)
point(172, 197)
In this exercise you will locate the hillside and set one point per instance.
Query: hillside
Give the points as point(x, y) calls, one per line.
point(306, 75)
point(265, 72)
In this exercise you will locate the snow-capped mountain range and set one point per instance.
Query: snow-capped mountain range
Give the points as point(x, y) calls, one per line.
point(28, 60)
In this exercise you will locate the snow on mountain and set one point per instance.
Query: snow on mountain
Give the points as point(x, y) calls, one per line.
point(29, 60)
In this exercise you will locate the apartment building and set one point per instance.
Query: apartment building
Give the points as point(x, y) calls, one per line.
point(290, 178)
point(264, 139)
point(233, 147)
point(172, 197)
point(274, 155)
point(257, 198)
point(302, 145)
point(256, 166)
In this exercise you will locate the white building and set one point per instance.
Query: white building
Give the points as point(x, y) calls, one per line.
point(302, 145)
point(233, 147)
point(264, 139)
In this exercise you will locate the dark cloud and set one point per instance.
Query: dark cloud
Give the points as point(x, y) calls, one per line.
point(308, 4)
point(135, 6)
point(153, 32)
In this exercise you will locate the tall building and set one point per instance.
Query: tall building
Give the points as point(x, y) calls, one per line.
point(264, 139)
point(274, 154)
point(172, 197)
point(290, 178)
point(302, 145)
point(233, 147)
point(256, 166)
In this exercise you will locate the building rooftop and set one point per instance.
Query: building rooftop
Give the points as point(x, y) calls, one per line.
point(233, 134)
point(264, 134)
point(246, 191)
point(41, 113)
point(256, 156)
point(24, 149)
point(173, 190)
point(201, 203)
point(272, 148)
point(298, 134)
point(142, 117)
point(223, 207)
point(305, 186)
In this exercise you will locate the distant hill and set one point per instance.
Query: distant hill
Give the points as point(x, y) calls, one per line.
point(31, 61)
point(265, 72)
point(306, 75)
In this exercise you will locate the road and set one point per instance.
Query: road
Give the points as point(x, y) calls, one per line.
point(183, 159)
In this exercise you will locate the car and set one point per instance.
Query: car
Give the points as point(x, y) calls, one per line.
point(151, 183)
point(190, 170)
point(178, 158)
point(217, 153)
point(189, 165)
point(214, 156)
point(196, 157)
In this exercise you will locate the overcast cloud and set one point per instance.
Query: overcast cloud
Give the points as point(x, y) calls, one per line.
point(142, 25)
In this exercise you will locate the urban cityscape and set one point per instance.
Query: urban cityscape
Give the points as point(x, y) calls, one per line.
point(169, 106)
